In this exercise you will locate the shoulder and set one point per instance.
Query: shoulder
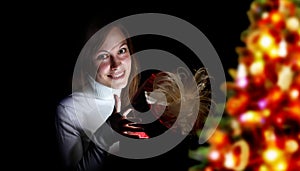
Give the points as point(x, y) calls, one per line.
point(65, 107)
point(69, 100)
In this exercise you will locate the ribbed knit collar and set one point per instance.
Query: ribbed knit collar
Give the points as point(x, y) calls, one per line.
point(102, 91)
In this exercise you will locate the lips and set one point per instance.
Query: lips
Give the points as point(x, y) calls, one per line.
point(117, 75)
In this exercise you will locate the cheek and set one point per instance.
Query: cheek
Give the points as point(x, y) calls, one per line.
point(128, 65)
point(127, 62)
point(103, 69)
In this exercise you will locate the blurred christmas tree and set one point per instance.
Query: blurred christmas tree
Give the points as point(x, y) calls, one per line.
point(260, 129)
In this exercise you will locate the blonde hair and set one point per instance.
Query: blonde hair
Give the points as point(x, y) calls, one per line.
point(178, 87)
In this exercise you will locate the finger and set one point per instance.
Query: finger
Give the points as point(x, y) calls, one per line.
point(126, 125)
point(140, 135)
point(127, 134)
point(117, 103)
point(132, 127)
point(127, 112)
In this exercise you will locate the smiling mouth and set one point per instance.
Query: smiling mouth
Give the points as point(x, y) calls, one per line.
point(117, 75)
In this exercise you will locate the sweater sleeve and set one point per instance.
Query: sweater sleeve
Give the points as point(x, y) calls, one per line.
point(72, 151)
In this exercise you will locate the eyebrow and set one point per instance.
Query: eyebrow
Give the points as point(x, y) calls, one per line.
point(122, 43)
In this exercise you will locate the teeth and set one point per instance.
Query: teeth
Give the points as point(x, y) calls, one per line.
point(118, 75)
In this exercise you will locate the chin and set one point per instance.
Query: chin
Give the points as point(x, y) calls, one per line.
point(119, 85)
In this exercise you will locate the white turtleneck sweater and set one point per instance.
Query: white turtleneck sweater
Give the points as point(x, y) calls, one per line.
point(78, 117)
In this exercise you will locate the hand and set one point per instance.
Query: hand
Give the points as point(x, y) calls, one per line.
point(121, 123)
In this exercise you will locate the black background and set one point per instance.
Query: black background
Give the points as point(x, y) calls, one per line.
point(46, 39)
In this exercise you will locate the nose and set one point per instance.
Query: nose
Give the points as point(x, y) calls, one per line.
point(115, 62)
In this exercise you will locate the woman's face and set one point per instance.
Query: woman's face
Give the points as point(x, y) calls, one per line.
point(113, 60)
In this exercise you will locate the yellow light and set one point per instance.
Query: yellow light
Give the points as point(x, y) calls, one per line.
point(229, 160)
point(271, 155)
point(291, 146)
point(292, 23)
point(275, 17)
point(266, 41)
point(250, 117)
point(241, 75)
point(257, 67)
point(241, 71)
point(269, 135)
point(280, 166)
point(265, 15)
point(273, 52)
point(266, 112)
point(258, 55)
point(282, 51)
point(263, 168)
point(236, 127)
point(285, 77)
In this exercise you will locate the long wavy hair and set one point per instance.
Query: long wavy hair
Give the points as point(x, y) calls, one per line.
point(181, 94)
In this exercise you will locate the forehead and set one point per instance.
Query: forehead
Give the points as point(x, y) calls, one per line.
point(114, 37)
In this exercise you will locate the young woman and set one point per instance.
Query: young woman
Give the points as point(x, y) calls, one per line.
point(88, 119)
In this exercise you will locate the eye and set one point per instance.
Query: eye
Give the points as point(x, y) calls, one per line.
point(103, 56)
point(123, 50)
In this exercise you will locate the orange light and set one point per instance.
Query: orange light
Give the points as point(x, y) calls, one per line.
point(294, 108)
point(208, 169)
point(275, 95)
point(294, 94)
point(218, 138)
point(236, 104)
